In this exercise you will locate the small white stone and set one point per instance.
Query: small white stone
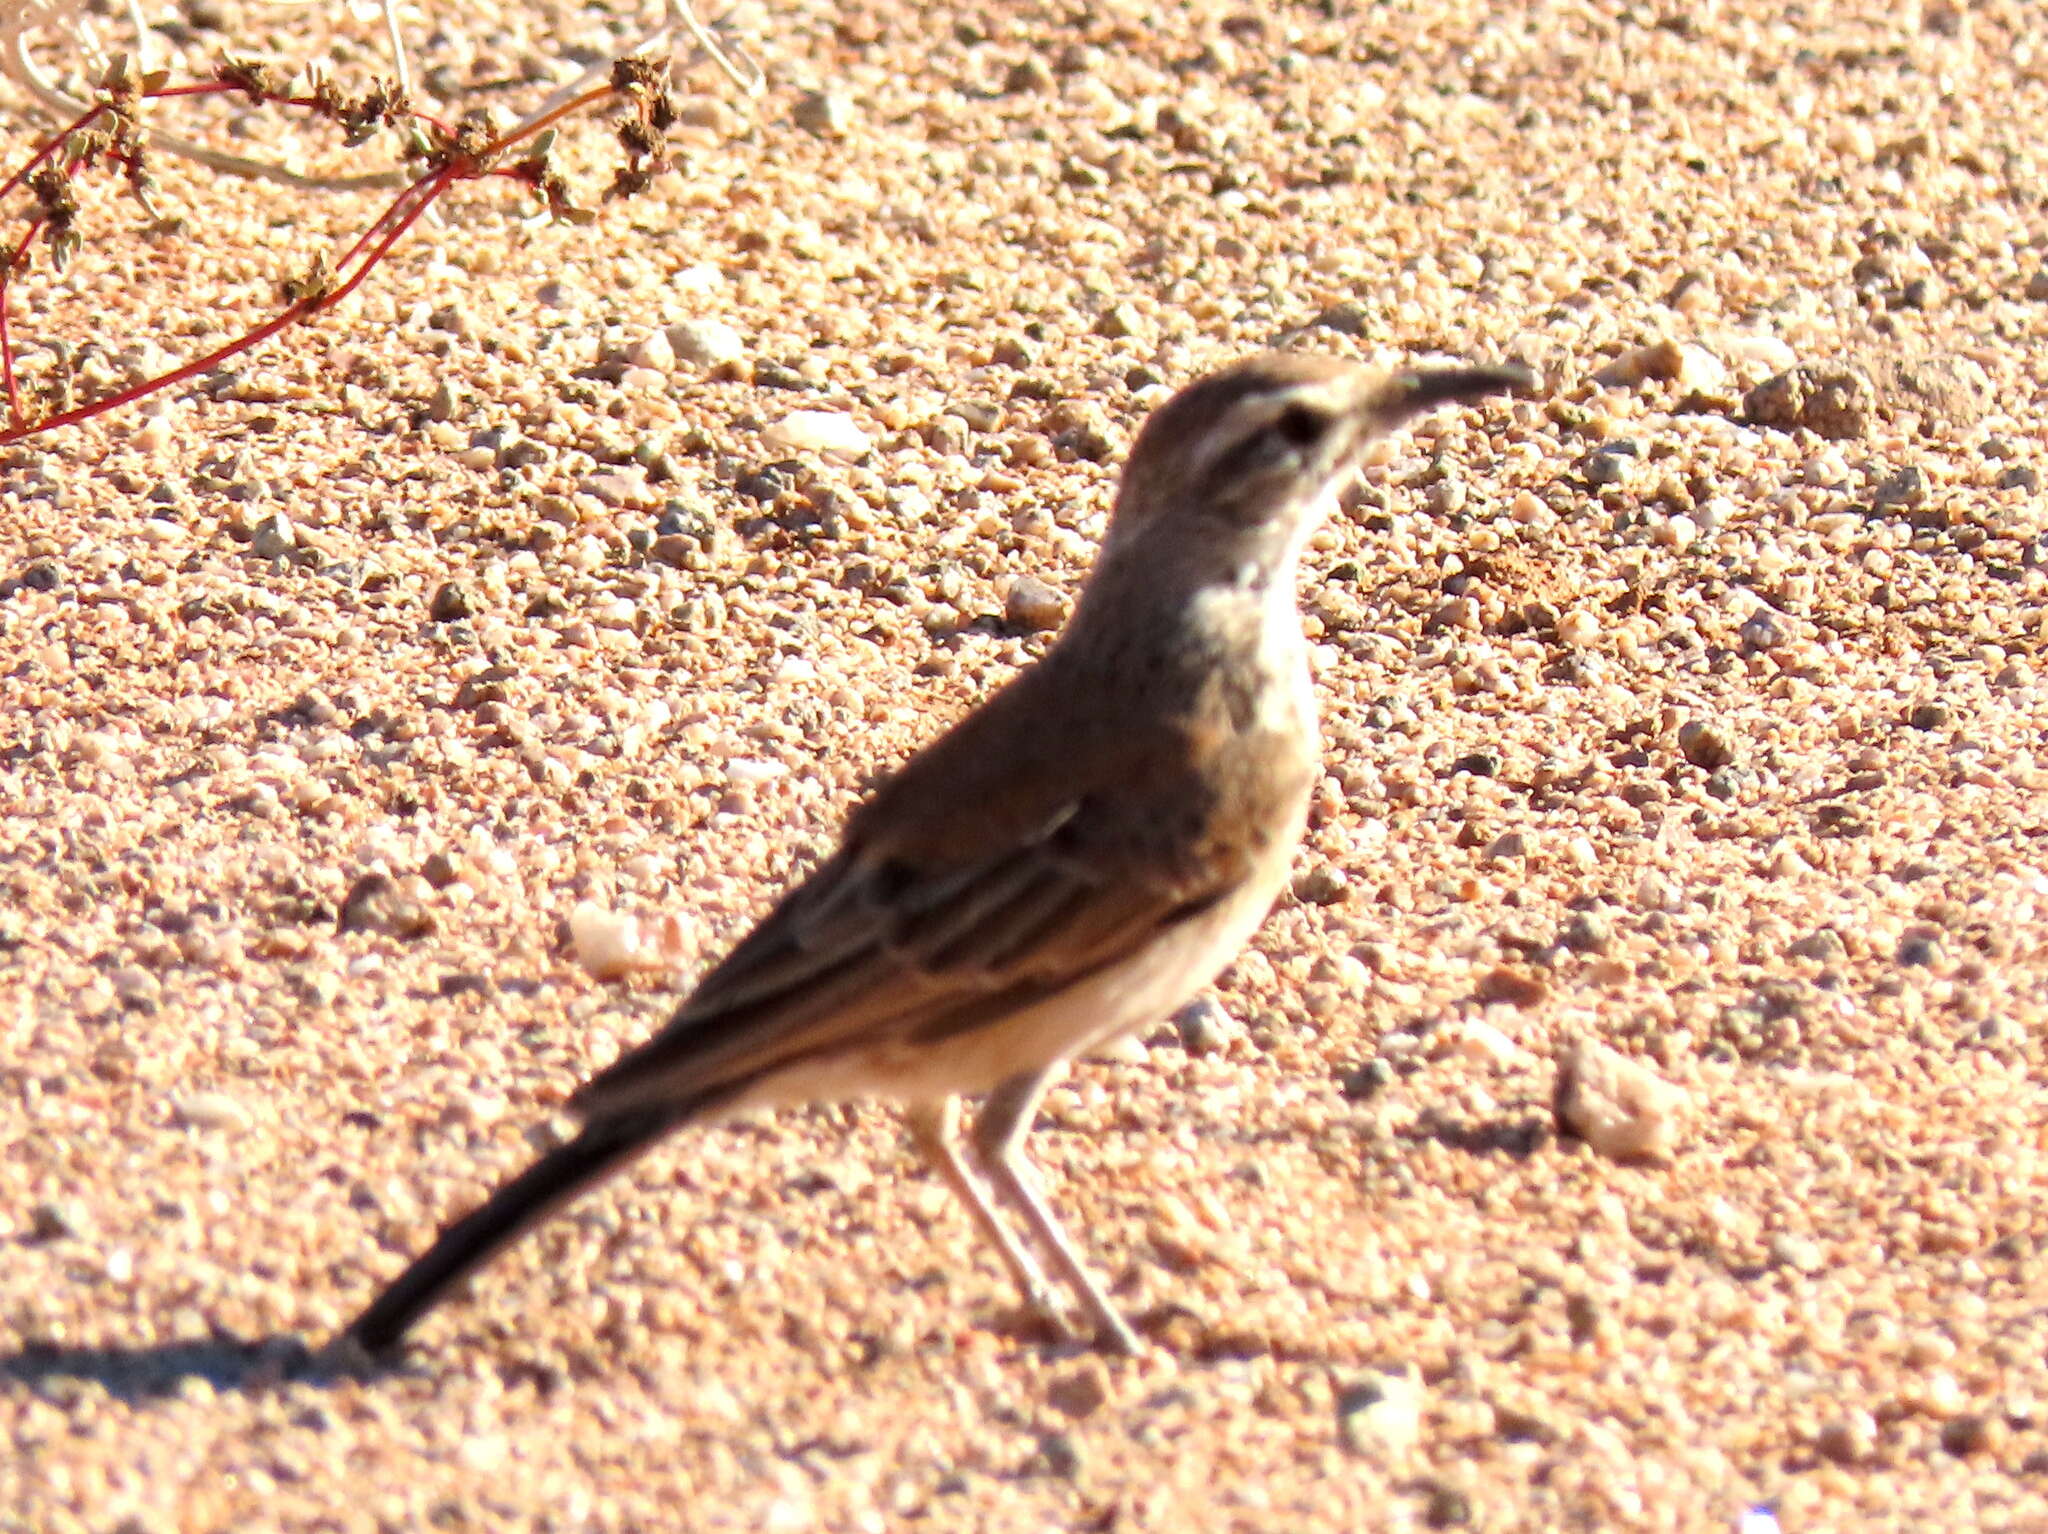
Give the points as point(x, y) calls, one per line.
point(1484, 1044)
point(1205, 1028)
point(1577, 628)
point(1654, 892)
point(1699, 370)
point(1616, 1105)
point(212, 1111)
point(795, 668)
point(1798, 1252)
point(607, 943)
point(1677, 531)
point(653, 350)
point(830, 432)
point(705, 343)
point(1381, 1416)
point(1124, 1049)
point(1766, 354)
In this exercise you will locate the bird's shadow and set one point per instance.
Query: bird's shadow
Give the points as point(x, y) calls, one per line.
point(227, 1364)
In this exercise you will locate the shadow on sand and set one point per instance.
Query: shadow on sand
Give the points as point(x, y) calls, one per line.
point(165, 1369)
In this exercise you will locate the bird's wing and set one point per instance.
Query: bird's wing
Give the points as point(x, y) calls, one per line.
point(964, 891)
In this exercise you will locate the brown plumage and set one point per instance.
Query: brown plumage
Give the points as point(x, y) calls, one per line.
point(1069, 862)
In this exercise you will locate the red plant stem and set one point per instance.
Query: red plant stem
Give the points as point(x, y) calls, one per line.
point(384, 232)
point(56, 142)
point(539, 125)
point(439, 181)
point(429, 188)
point(14, 258)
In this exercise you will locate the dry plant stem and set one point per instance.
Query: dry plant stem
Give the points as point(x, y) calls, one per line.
point(17, 63)
point(21, 67)
point(750, 80)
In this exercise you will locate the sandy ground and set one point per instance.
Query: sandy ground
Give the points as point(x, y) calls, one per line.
point(1699, 721)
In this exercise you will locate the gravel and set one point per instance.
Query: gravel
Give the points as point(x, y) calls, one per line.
point(988, 242)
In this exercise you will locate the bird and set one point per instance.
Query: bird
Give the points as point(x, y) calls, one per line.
point(1071, 862)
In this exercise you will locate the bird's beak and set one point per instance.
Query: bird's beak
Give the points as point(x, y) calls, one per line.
point(1410, 392)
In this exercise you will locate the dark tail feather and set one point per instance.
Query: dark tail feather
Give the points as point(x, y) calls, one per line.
point(604, 1147)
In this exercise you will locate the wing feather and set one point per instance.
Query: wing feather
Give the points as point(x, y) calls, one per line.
point(1011, 860)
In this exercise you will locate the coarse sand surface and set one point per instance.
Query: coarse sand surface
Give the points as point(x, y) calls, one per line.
point(1684, 723)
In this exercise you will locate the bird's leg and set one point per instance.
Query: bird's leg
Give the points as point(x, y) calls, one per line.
point(931, 1127)
point(999, 1138)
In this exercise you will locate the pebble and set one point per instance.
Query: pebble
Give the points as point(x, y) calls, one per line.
point(1367, 1081)
point(654, 350)
point(705, 343)
point(1588, 932)
point(1823, 944)
point(1483, 1044)
point(607, 943)
point(1119, 322)
point(57, 1219)
point(1906, 487)
point(1609, 465)
point(1834, 401)
point(213, 1111)
point(1030, 74)
point(831, 433)
point(1973, 1433)
point(450, 603)
point(1577, 628)
point(1617, 1106)
point(1919, 950)
point(375, 903)
point(1763, 632)
point(441, 869)
point(1800, 1253)
point(275, 537)
point(1082, 1390)
point(1030, 604)
point(1850, 1439)
point(824, 113)
point(1654, 892)
point(1693, 368)
point(1062, 1455)
point(1510, 985)
point(1677, 531)
point(137, 987)
point(1124, 1049)
point(1705, 745)
point(1380, 1416)
point(1324, 884)
point(1205, 1028)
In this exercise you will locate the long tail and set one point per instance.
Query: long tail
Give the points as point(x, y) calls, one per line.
point(605, 1146)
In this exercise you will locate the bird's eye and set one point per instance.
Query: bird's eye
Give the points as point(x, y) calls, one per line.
point(1300, 426)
